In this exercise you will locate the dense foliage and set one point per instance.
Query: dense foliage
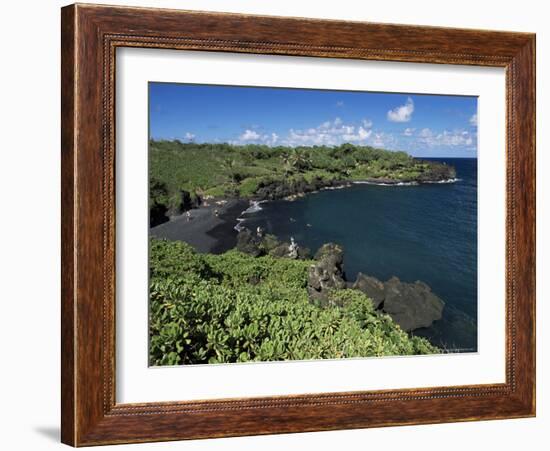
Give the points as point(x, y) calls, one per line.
point(235, 308)
point(223, 170)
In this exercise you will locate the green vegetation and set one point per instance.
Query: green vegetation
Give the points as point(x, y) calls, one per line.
point(239, 307)
point(182, 173)
point(235, 308)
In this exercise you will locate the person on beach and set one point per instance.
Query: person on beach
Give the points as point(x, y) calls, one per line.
point(293, 248)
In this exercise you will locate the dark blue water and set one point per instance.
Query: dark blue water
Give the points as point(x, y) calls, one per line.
point(425, 232)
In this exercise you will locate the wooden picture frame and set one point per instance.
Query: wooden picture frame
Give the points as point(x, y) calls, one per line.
point(90, 36)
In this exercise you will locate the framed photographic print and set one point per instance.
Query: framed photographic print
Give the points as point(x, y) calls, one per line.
point(279, 225)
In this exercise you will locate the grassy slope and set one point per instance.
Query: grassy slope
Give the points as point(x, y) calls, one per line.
point(225, 170)
point(235, 308)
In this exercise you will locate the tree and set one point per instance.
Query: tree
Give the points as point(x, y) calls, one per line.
point(296, 160)
point(230, 165)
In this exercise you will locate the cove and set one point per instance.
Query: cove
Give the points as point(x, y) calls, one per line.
point(424, 232)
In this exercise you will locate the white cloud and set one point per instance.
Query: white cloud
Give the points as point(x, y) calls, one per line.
point(366, 123)
point(336, 132)
point(473, 120)
point(253, 137)
point(384, 140)
point(402, 113)
point(189, 136)
point(249, 135)
point(455, 138)
point(378, 141)
point(330, 133)
point(272, 140)
point(340, 103)
point(426, 133)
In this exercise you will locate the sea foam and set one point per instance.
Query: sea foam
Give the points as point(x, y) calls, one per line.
point(255, 206)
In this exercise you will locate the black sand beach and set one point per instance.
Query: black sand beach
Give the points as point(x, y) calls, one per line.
point(205, 231)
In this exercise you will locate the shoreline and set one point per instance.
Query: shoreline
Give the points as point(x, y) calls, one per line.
point(455, 325)
point(209, 233)
point(205, 231)
point(391, 182)
point(273, 194)
point(255, 204)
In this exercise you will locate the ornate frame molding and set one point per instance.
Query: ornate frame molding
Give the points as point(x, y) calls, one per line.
point(90, 36)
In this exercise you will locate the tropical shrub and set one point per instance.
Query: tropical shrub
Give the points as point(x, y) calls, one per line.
point(237, 308)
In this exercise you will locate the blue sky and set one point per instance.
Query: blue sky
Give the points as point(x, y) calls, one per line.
point(422, 125)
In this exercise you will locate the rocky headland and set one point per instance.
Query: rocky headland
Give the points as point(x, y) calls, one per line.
point(411, 305)
point(291, 189)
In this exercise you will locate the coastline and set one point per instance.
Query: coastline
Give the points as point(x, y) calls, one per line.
point(280, 190)
point(205, 231)
point(209, 233)
point(456, 330)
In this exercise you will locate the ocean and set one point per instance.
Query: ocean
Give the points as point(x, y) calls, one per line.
point(422, 232)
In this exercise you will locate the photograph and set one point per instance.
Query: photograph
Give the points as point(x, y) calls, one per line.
point(277, 221)
point(304, 224)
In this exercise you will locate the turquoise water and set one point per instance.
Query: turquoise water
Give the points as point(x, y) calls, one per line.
point(425, 232)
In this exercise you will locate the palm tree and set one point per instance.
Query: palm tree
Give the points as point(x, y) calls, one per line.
point(229, 164)
point(287, 165)
point(297, 160)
